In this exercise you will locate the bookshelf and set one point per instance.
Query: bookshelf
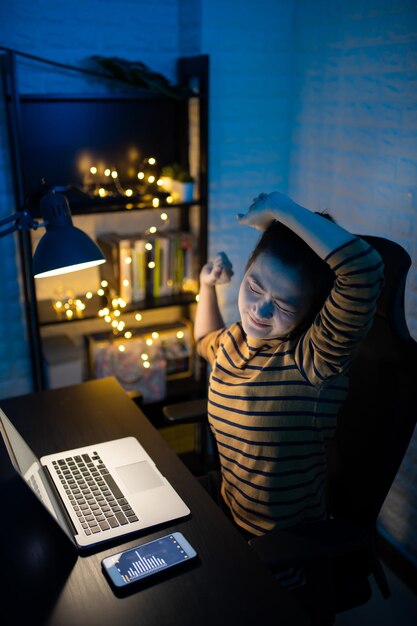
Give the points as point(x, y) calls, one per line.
point(170, 130)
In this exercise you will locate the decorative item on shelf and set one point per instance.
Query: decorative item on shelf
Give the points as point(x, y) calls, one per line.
point(179, 182)
point(143, 359)
point(138, 182)
point(137, 74)
point(67, 305)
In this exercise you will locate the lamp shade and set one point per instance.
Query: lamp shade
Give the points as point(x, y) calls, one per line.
point(64, 247)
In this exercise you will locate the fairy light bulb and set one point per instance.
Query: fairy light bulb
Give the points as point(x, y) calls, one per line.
point(93, 170)
point(164, 217)
point(89, 295)
point(100, 292)
point(128, 260)
point(151, 265)
point(146, 364)
point(114, 174)
point(169, 199)
point(151, 161)
point(155, 335)
point(138, 317)
point(144, 357)
point(180, 334)
point(104, 283)
point(107, 172)
point(122, 348)
point(69, 313)
point(141, 175)
point(102, 192)
point(155, 202)
point(128, 334)
point(149, 342)
point(159, 182)
point(107, 319)
point(153, 229)
point(116, 313)
point(148, 246)
point(129, 192)
point(151, 179)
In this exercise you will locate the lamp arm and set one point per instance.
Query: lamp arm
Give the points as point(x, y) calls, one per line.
point(22, 221)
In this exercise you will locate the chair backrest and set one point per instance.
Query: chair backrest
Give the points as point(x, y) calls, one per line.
point(377, 420)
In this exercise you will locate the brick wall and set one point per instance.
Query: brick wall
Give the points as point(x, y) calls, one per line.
point(354, 151)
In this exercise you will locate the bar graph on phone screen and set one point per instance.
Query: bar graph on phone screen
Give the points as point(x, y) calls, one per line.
point(150, 558)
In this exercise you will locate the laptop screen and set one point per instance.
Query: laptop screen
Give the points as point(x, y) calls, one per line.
point(28, 466)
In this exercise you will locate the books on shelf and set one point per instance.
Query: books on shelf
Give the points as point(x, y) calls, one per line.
point(141, 266)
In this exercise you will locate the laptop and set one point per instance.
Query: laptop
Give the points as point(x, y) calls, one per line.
point(98, 492)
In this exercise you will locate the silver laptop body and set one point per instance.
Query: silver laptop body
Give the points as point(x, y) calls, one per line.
point(99, 492)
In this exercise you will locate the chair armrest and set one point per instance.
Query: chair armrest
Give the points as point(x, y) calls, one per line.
point(186, 412)
point(310, 542)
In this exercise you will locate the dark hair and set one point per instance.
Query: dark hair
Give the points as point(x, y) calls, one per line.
point(282, 243)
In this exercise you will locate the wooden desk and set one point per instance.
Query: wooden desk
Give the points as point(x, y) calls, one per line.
point(46, 581)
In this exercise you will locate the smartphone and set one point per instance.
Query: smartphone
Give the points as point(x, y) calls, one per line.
point(148, 559)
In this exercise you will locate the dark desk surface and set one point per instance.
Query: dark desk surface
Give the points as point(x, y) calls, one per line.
point(46, 581)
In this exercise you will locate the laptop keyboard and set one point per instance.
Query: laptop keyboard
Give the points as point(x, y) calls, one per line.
point(94, 495)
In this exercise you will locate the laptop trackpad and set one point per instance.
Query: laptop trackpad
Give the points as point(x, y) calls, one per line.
point(139, 476)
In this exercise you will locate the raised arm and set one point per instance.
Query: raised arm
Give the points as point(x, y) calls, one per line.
point(323, 236)
point(208, 316)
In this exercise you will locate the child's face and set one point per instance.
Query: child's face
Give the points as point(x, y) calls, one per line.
point(273, 299)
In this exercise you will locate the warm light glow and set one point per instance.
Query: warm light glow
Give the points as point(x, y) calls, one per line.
point(197, 298)
point(128, 334)
point(104, 283)
point(155, 335)
point(138, 317)
point(169, 199)
point(106, 311)
point(146, 364)
point(102, 192)
point(107, 319)
point(149, 342)
point(148, 246)
point(122, 303)
point(151, 179)
point(151, 161)
point(100, 292)
point(126, 283)
point(151, 265)
point(120, 326)
point(114, 174)
point(159, 182)
point(69, 313)
point(141, 175)
point(129, 192)
point(155, 202)
point(164, 216)
point(153, 229)
point(58, 304)
point(107, 172)
point(93, 170)
point(144, 357)
point(116, 313)
point(128, 260)
point(89, 295)
point(180, 334)
point(114, 324)
point(122, 348)
point(69, 268)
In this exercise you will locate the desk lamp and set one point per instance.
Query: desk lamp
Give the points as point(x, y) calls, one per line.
point(64, 247)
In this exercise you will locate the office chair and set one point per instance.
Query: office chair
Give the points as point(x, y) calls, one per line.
point(375, 426)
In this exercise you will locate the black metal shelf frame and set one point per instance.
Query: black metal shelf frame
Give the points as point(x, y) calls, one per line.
point(193, 73)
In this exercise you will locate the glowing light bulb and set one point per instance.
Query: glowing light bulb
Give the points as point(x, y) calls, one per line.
point(104, 283)
point(169, 199)
point(116, 313)
point(128, 260)
point(114, 324)
point(102, 192)
point(93, 170)
point(106, 311)
point(151, 179)
point(153, 229)
point(114, 174)
point(155, 335)
point(146, 364)
point(149, 342)
point(144, 357)
point(89, 295)
point(151, 265)
point(120, 326)
point(122, 303)
point(129, 192)
point(148, 246)
point(159, 182)
point(197, 298)
point(69, 313)
point(141, 175)
point(180, 334)
point(155, 202)
point(58, 304)
point(138, 317)
point(126, 282)
point(122, 348)
point(164, 216)
point(151, 161)
point(107, 319)
point(107, 172)
point(100, 292)
point(128, 334)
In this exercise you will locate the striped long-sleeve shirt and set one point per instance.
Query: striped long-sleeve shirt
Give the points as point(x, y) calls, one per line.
point(272, 407)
